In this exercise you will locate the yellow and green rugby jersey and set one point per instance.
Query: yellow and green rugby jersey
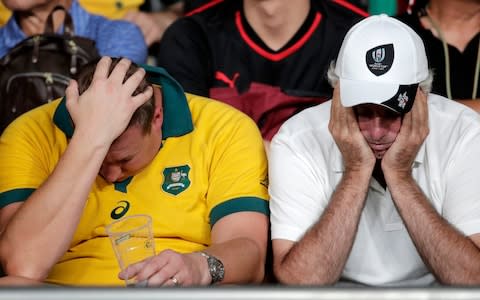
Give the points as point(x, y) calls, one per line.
point(211, 164)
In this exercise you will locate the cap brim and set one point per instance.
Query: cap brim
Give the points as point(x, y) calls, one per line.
point(396, 97)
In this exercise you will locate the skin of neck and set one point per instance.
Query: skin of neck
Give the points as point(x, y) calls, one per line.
point(276, 21)
point(458, 20)
point(34, 20)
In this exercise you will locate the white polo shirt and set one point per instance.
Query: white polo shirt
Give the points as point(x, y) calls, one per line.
point(305, 166)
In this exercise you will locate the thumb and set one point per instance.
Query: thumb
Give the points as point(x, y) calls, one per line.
point(71, 94)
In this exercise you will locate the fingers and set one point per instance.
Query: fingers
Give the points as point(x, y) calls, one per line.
point(132, 270)
point(421, 113)
point(420, 116)
point(117, 76)
point(336, 110)
point(118, 73)
point(161, 268)
point(415, 122)
point(103, 66)
point(167, 268)
point(143, 97)
point(153, 271)
point(173, 280)
point(166, 276)
point(133, 81)
point(413, 131)
point(342, 121)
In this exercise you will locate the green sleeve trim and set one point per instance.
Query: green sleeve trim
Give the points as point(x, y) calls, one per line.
point(237, 205)
point(14, 196)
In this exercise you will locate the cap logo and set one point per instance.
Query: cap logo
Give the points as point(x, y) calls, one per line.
point(378, 55)
point(402, 100)
point(379, 59)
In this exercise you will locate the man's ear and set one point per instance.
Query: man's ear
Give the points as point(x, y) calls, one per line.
point(157, 120)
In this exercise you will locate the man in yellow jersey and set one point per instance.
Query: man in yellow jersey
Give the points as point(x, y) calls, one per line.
point(72, 166)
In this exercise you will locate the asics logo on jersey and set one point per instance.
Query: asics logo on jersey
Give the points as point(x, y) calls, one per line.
point(175, 179)
point(120, 210)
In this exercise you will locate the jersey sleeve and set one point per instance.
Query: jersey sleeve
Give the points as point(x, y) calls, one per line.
point(25, 160)
point(238, 170)
point(184, 53)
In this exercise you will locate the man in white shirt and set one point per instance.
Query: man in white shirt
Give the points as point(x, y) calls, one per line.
point(378, 186)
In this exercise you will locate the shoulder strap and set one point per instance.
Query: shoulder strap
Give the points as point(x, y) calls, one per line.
point(67, 23)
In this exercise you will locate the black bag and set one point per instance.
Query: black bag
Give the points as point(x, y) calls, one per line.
point(38, 69)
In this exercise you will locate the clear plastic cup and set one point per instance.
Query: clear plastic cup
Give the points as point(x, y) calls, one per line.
point(132, 241)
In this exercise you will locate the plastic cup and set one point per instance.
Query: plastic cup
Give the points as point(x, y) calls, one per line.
point(132, 241)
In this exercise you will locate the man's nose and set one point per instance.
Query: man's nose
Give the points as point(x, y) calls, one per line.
point(378, 128)
point(111, 173)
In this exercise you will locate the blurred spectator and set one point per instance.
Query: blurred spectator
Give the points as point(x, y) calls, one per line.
point(113, 38)
point(450, 31)
point(267, 58)
point(152, 22)
point(155, 21)
point(112, 9)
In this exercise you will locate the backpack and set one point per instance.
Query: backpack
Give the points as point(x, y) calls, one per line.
point(38, 69)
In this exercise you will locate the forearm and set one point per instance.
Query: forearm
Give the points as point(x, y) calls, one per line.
point(320, 256)
point(243, 259)
point(452, 257)
point(42, 228)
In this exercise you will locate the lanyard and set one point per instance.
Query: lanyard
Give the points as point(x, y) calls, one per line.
point(447, 61)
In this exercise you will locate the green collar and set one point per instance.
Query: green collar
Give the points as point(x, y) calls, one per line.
point(177, 119)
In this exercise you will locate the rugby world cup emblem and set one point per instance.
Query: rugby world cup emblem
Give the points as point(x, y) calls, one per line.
point(175, 179)
point(379, 60)
point(378, 55)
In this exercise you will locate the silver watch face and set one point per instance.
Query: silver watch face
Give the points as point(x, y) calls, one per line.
point(217, 271)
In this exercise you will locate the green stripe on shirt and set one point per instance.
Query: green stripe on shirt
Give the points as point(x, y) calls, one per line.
point(238, 205)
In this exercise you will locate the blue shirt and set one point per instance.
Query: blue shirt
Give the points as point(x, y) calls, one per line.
point(113, 37)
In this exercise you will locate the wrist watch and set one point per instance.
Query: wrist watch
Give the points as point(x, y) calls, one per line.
point(215, 267)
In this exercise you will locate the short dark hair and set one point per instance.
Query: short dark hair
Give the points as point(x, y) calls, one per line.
point(143, 116)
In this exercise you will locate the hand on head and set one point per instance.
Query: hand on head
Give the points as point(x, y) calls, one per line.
point(343, 126)
point(104, 110)
point(413, 132)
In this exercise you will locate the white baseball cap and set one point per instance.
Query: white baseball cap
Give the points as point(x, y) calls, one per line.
point(381, 61)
